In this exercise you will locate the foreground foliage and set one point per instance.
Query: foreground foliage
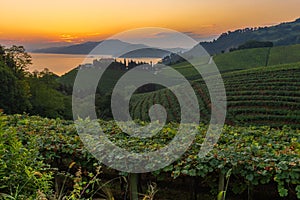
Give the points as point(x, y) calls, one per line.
point(254, 155)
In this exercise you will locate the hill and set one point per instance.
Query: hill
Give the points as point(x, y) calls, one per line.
point(282, 34)
point(111, 47)
point(232, 61)
point(259, 96)
point(146, 53)
point(258, 92)
point(108, 47)
point(71, 49)
point(246, 59)
point(107, 82)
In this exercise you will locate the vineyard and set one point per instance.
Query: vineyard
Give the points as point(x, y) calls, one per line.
point(258, 150)
point(249, 158)
point(259, 96)
point(246, 59)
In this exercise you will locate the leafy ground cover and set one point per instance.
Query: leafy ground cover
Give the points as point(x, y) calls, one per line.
point(42, 150)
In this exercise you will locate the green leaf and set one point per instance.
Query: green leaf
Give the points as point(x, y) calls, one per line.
point(185, 172)
point(298, 191)
point(221, 195)
point(282, 192)
point(250, 177)
point(228, 174)
point(168, 168)
point(192, 172)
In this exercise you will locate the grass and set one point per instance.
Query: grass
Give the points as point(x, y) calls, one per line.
point(284, 54)
point(246, 59)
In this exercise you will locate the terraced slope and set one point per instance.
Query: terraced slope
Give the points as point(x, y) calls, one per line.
point(246, 59)
point(259, 96)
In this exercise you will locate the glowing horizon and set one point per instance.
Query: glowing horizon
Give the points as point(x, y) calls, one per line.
point(42, 23)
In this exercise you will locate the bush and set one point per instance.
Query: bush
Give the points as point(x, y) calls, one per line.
point(22, 171)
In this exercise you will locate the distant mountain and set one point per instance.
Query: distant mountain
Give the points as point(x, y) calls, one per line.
point(282, 34)
point(72, 49)
point(146, 53)
point(177, 50)
point(110, 47)
point(107, 47)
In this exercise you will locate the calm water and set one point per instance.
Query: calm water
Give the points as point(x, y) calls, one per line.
point(62, 63)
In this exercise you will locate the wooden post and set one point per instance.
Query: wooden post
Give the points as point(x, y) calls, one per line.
point(133, 184)
point(195, 187)
point(221, 184)
point(250, 191)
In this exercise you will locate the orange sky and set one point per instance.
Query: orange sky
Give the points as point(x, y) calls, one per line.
point(38, 23)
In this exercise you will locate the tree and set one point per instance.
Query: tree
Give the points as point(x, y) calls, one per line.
point(15, 92)
point(255, 44)
point(21, 91)
point(18, 60)
point(103, 106)
point(7, 88)
point(48, 77)
point(2, 52)
point(45, 99)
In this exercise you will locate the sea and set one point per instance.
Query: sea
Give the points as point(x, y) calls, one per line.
point(63, 63)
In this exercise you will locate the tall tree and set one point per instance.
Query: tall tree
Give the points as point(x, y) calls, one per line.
point(45, 99)
point(18, 60)
point(15, 91)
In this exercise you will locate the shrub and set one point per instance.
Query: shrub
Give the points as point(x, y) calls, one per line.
point(22, 171)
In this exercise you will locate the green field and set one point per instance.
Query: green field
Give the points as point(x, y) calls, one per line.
point(259, 96)
point(246, 59)
point(284, 54)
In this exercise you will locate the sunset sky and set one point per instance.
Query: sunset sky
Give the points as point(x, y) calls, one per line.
point(44, 23)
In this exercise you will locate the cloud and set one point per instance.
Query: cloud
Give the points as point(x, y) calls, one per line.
point(68, 38)
point(75, 39)
point(194, 35)
point(37, 42)
point(93, 34)
point(163, 34)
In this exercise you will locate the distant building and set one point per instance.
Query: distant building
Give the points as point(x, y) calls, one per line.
point(85, 66)
point(107, 60)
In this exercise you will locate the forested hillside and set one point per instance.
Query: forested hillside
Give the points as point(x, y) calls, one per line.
point(37, 93)
point(282, 34)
